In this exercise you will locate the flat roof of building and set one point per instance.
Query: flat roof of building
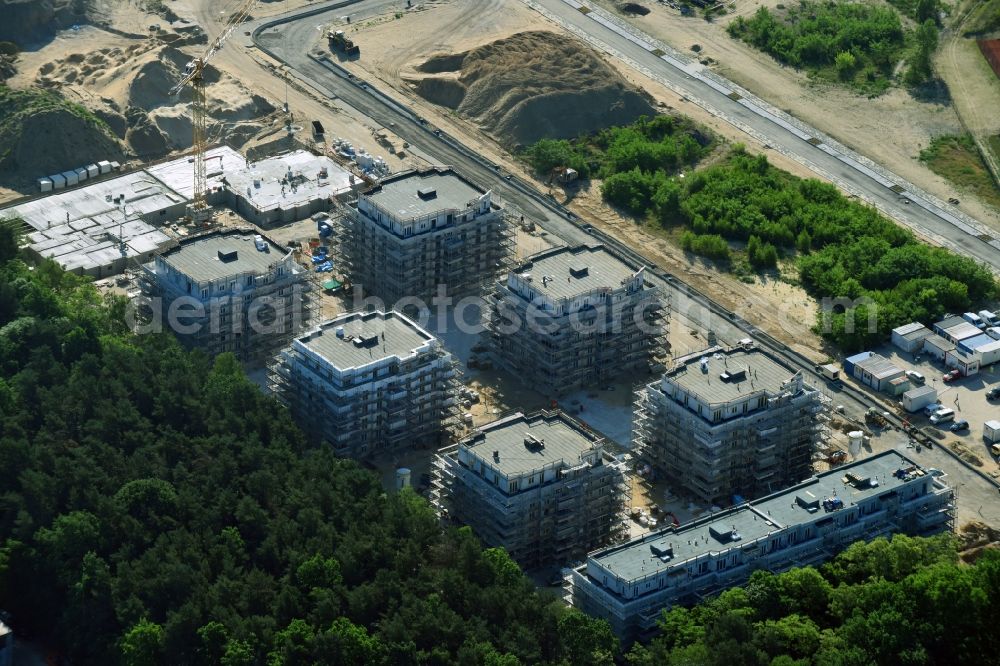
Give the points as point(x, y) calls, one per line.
point(564, 441)
point(412, 194)
point(938, 341)
point(368, 337)
point(204, 258)
point(963, 331)
point(948, 322)
point(261, 183)
point(178, 174)
point(760, 372)
point(575, 271)
point(714, 533)
point(879, 366)
point(912, 331)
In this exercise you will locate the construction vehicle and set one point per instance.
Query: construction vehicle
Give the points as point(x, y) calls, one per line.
point(339, 42)
point(198, 210)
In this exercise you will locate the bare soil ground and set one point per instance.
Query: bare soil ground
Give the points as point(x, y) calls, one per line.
point(890, 129)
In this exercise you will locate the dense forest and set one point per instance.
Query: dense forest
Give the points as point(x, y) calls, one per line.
point(744, 211)
point(904, 601)
point(854, 43)
point(156, 508)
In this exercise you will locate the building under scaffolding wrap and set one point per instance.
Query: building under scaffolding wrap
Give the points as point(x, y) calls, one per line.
point(540, 486)
point(569, 317)
point(369, 383)
point(417, 230)
point(229, 291)
point(631, 584)
point(725, 423)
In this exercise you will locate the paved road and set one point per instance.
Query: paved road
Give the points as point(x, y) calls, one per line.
point(925, 215)
point(286, 41)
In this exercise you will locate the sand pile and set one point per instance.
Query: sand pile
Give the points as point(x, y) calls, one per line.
point(530, 86)
point(25, 21)
point(40, 133)
point(129, 89)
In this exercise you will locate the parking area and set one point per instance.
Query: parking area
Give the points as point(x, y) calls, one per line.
point(965, 395)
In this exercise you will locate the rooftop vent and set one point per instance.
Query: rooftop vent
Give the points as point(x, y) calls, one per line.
point(723, 535)
point(704, 364)
point(426, 193)
point(533, 443)
point(365, 340)
point(579, 270)
point(496, 456)
point(812, 506)
point(734, 376)
point(227, 255)
point(340, 331)
point(859, 482)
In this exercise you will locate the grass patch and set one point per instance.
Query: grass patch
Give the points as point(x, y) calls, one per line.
point(984, 18)
point(957, 159)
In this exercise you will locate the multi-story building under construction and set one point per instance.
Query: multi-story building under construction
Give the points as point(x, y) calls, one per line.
point(229, 291)
point(368, 383)
point(569, 317)
point(541, 486)
point(631, 584)
point(727, 424)
point(419, 230)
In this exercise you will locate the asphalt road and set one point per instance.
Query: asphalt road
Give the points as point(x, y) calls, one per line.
point(923, 215)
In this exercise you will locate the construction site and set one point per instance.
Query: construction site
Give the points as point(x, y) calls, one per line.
point(269, 244)
point(368, 384)
point(420, 231)
point(541, 486)
point(572, 317)
point(727, 424)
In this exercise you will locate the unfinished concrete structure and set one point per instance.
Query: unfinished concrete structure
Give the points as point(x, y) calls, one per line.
point(631, 584)
point(369, 383)
point(730, 424)
point(118, 221)
point(569, 317)
point(417, 230)
point(229, 291)
point(541, 486)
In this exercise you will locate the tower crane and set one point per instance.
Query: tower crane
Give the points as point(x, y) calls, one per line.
point(199, 211)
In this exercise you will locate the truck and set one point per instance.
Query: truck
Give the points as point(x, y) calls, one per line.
point(830, 371)
point(339, 42)
point(318, 133)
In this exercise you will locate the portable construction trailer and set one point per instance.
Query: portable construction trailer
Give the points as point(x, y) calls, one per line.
point(917, 398)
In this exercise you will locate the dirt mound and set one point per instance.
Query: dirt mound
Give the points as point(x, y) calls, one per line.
point(130, 87)
point(41, 133)
point(530, 86)
point(25, 21)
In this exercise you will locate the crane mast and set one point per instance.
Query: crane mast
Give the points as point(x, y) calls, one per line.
point(199, 211)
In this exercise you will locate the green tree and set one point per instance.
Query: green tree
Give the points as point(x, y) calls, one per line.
point(142, 645)
point(845, 63)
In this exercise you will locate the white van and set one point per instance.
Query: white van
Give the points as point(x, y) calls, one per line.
point(942, 416)
point(974, 319)
point(989, 317)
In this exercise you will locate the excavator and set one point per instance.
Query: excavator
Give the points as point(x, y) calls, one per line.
point(198, 210)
